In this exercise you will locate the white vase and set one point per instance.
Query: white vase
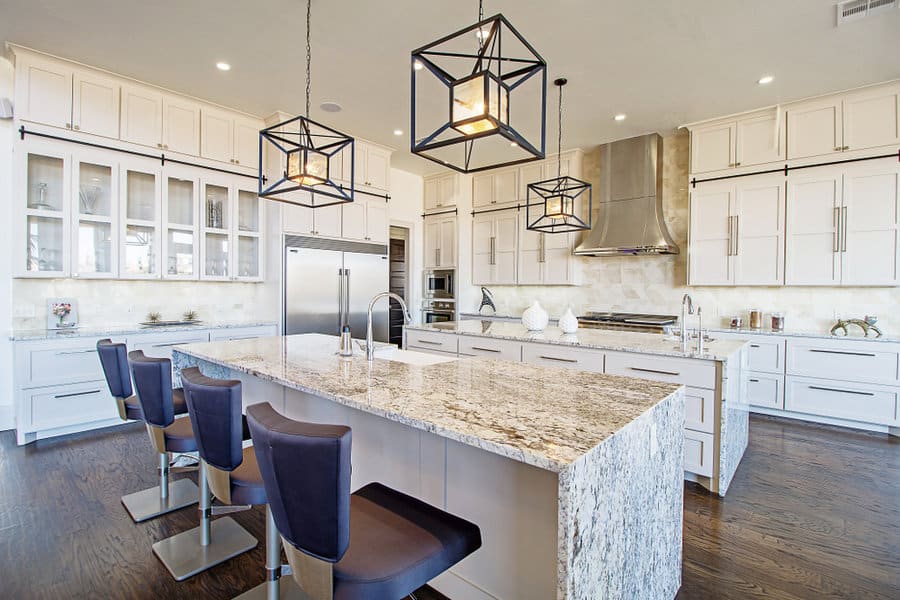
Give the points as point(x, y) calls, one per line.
point(535, 318)
point(568, 322)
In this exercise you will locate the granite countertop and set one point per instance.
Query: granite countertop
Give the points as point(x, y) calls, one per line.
point(19, 335)
point(600, 339)
point(540, 416)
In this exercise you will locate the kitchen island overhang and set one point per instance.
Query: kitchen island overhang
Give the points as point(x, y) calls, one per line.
point(576, 483)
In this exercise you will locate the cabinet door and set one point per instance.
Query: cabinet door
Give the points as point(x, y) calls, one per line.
point(216, 135)
point(378, 168)
point(870, 226)
point(871, 119)
point(530, 255)
point(249, 221)
point(95, 104)
point(482, 250)
point(94, 232)
point(447, 254)
point(217, 222)
point(246, 143)
point(141, 121)
point(181, 125)
point(140, 254)
point(327, 221)
point(431, 193)
point(353, 216)
point(556, 167)
point(44, 93)
point(530, 173)
point(758, 221)
point(432, 242)
point(377, 224)
point(558, 260)
point(482, 189)
point(505, 186)
point(814, 129)
point(711, 243)
point(447, 191)
point(297, 219)
point(812, 252)
point(44, 174)
point(712, 147)
point(506, 231)
point(181, 209)
point(760, 140)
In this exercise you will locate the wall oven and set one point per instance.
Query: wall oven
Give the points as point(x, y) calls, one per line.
point(439, 284)
point(438, 312)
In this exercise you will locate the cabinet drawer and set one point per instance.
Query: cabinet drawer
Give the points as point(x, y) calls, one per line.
point(65, 363)
point(70, 404)
point(844, 360)
point(699, 409)
point(562, 357)
point(690, 372)
point(766, 356)
point(242, 333)
point(490, 348)
point(698, 452)
point(766, 390)
point(856, 402)
point(430, 340)
point(160, 345)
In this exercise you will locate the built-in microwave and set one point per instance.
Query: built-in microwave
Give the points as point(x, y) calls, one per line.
point(439, 284)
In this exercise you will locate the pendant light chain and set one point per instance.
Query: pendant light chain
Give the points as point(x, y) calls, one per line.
point(480, 11)
point(559, 138)
point(308, 52)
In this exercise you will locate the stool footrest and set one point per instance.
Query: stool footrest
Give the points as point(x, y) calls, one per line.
point(148, 504)
point(282, 589)
point(183, 554)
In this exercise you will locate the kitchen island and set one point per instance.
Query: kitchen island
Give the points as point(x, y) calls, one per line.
point(575, 482)
point(716, 408)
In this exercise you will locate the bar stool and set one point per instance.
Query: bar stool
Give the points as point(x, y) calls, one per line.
point(167, 496)
point(374, 543)
point(231, 469)
point(213, 542)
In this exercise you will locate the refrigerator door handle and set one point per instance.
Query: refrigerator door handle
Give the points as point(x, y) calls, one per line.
point(340, 300)
point(346, 307)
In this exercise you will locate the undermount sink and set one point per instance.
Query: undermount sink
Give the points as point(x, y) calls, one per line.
point(410, 357)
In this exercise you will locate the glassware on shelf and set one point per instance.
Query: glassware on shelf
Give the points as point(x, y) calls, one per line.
point(777, 321)
point(45, 242)
point(755, 318)
point(41, 203)
point(88, 196)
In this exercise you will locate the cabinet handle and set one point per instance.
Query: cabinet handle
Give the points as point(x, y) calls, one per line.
point(844, 352)
point(845, 148)
point(170, 344)
point(73, 394)
point(837, 148)
point(753, 380)
point(737, 164)
point(730, 234)
point(639, 369)
point(825, 389)
point(165, 146)
point(543, 250)
point(430, 343)
point(557, 359)
point(486, 349)
point(836, 238)
point(731, 164)
point(437, 257)
point(754, 345)
point(76, 128)
point(68, 126)
point(75, 352)
point(493, 251)
point(237, 162)
point(737, 235)
point(158, 145)
point(844, 230)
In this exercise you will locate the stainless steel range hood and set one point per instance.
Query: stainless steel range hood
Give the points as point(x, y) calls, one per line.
point(630, 219)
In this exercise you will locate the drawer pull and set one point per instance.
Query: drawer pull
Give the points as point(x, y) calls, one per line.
point(557, 359)
point(843, 352)
point(171, 344)
point(430, 343)
point(754, 345)
point(76, 352)
point(485, 349)
point(672, 373)
point(825, 389)
point(72, 395)
point(753, 380)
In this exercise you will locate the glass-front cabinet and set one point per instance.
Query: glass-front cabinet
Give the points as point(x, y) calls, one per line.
point(181, 195)
point(231, 229)
point(44, 189)
point(94, 236)
point(140, 182)
point(248, 235)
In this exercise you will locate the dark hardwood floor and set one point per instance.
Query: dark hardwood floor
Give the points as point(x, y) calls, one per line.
point(814, 512)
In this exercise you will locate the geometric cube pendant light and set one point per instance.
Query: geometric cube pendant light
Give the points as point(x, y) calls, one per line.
point(552, 205)
point(309, 153)
point(478, 98)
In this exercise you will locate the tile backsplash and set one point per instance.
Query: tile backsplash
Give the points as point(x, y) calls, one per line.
point(656, 284)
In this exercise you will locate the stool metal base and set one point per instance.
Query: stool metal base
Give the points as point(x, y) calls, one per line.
point(184, 556)
point(287, 589)
point(147, 504)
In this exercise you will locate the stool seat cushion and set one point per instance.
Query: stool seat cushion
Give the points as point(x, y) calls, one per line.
point(180, 436)
point(397, 544)
point(246, 481)
point(133, 409)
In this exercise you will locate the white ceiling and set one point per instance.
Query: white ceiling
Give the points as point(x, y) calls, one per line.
point(663, 62)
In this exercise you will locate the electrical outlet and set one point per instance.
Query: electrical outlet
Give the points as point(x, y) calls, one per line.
point(24, 311)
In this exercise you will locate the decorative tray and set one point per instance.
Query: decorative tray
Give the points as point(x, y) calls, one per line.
point(169, 323)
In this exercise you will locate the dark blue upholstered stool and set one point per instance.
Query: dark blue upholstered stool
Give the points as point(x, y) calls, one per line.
point(374, 543)
point(167, 496)
point(198, 549)
point(231, 469)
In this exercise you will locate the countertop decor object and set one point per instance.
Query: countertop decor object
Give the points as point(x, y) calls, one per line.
point(62, 313)
point(867, 325)
point(535, 318)
point(568, 322)
point(487, 300)
point(483, 78)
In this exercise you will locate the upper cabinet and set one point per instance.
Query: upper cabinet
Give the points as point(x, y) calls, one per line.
point(365, 219)
point(440, 241)
point(229, 138)
point(745, 141)
point(569, 163)
point(871, 119)
point(814, 128)
point(545, 258)
point(495, 187)
point(373, 166)
point(181, 125)
point(95, 104)
point(142, 121)
point(440, 191)
point(494, 248)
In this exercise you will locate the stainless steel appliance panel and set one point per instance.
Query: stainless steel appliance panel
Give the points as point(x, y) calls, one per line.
point(367, 275)
point(312, 291)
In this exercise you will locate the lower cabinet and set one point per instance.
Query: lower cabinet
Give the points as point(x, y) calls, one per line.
point(698, 452)
point(765, 390)
point(490, 348)
point(842, 400)
point(561, 356)
point(62, 405)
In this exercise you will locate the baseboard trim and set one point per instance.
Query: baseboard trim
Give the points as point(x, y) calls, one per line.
point(775, 412)
point(7, 417)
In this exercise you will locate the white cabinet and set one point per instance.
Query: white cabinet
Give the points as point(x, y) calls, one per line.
point(181, 219)
point(496, 187)
point(365, 220)
point(242, 333)
point(43, 91)
point(494, 245)
point(373, 166)
point(440, 241)
point(749, 140)
point(325, 221)
point(246, 142)
point(843, 400)
point(765, 390)
point(231, 230)
point(568, 164)
point(181, 125)
point(440, 191)
point(95, 212)
point(140, 187)
point(226, 137)
point(698, 452)
point(814, 128)
point(737, 232)
point(842, 227)
point(490, 348)
point(95, 104)
point(549, 355)
point(142, 115)
point(545, 258)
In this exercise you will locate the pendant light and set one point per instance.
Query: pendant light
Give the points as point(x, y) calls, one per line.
point(553, 203)
point(480, 97)
point(308, 152)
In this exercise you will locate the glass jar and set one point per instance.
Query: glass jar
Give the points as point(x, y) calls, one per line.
point(755, 318)
point(737, 322)
point(777, 321)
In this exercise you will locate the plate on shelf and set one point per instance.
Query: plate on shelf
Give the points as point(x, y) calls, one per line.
point(169, 323)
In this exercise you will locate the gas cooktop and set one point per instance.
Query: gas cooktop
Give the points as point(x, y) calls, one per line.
point(629, 321)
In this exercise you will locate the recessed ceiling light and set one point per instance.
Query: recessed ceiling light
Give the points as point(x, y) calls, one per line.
point(620, 117)
point(765, 80)
point(418, 66)
point(514, 145)
point(223, 66)
point(398, 132)
point(331, 107)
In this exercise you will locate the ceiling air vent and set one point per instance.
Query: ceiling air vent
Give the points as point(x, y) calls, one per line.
point(854, 10)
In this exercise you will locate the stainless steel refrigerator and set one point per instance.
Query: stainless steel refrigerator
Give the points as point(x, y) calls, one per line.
point(328, 283)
